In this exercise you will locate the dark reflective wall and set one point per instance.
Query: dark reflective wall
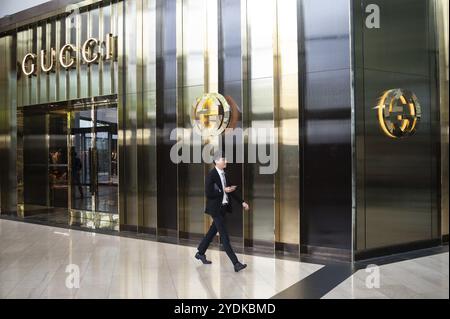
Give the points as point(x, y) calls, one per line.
point(35, 160)
point(326, 188)
point(397, 184)
point(166, 115)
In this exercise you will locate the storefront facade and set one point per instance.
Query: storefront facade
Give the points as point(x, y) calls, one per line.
point(92, 91)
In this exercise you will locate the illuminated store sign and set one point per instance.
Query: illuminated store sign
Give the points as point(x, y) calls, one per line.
point(211, 114)
point(91, 51)
point(399, 113)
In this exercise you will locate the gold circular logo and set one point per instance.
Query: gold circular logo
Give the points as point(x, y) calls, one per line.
point(399, 113)
point(210, 114)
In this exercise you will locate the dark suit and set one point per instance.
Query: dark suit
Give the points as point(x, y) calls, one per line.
point(214, 197)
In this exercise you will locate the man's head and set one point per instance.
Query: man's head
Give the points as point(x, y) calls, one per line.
point(220, 162)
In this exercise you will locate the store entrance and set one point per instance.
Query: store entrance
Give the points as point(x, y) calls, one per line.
point(70, 167)
point(93, 159)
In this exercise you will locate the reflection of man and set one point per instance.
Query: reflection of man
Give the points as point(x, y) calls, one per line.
point(218, 195)
point(76, 171)
point(56, 156)
point(113, 163)
point(57, 173)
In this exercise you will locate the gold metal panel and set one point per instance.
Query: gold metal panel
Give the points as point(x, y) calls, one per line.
point(192, 211)
point(72, 25)
point(149, 199)
point(194, 41)
point(34, 80)
point(211, 59)
point(259, 228)
point(20, 78)
point(287, 179)
point(51, 43)
point(41, 76)
point(132, 41)
point(8, 182)
point(140, 111)
point(115, 29)
point(59, 81)
point(192, 68)
point(119, 11)
point(130, 112)
point(94, 73)
point(82, 34)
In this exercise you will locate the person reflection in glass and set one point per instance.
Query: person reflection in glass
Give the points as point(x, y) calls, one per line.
point(113, 163)
point(76, 171)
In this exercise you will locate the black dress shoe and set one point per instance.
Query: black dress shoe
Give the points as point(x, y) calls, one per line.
point(238, 266)
point(203, 258)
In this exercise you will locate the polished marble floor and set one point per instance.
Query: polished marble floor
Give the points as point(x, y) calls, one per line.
point(38, 261)
point(34, 259)
point(417, 278)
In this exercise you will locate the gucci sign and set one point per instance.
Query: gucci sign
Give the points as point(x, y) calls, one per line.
point(91, 51)
point(399, 113)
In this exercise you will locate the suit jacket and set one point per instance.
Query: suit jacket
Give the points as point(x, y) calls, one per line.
point(214, 193)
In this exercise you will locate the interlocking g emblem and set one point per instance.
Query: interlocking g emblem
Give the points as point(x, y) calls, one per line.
point(210, 114)
point(399, 113)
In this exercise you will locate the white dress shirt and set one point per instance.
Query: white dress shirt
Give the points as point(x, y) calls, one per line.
point(222, 178)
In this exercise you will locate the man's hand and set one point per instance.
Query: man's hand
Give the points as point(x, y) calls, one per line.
point(230, 189)
point(245, 205)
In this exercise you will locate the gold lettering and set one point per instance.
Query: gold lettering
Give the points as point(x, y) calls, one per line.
point(110, 47)
point(44, 67)
point(68, 48)
point(29, 57)
point(92, 50)
point(87, 51)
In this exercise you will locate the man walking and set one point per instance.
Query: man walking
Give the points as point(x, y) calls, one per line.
point(218, 195)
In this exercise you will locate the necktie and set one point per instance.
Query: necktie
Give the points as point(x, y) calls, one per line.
point(224, 181)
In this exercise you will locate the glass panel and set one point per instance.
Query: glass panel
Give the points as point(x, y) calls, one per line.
point(81, 160)
point(107, 174)
point(35, 161)
point(57, 166)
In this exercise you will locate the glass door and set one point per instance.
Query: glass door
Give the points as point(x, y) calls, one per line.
point(81, 160)
point(93, 159)
point(106, 170)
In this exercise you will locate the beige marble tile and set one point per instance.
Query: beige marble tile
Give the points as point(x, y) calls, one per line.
point(425, 277)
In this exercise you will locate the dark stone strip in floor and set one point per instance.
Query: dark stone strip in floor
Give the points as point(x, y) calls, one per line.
point(319, 283)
